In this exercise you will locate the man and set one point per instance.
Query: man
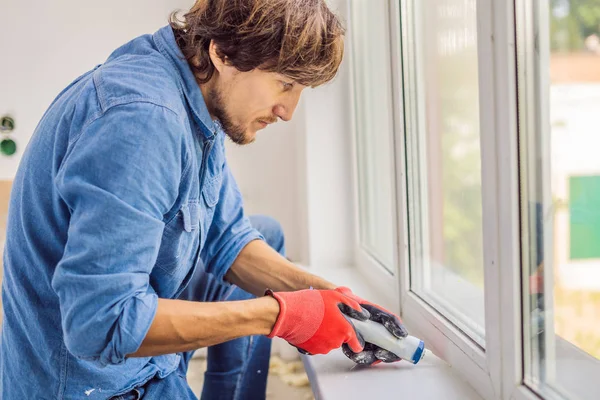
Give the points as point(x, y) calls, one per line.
point(127, 243)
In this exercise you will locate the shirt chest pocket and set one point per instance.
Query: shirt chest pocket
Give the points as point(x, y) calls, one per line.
point(210, 195)
point(180, 240)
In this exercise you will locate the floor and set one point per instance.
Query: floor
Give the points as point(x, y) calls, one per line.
point(286, 381)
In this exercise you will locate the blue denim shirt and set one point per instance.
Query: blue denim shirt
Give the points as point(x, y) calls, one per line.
point(122, 192)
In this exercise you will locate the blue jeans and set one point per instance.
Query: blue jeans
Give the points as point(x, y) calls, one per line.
point(238, 369)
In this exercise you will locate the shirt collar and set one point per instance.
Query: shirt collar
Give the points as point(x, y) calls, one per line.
point(166, 44)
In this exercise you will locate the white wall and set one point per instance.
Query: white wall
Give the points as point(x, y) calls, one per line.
point(328, 165)
point(330, 196)
point(44, 45)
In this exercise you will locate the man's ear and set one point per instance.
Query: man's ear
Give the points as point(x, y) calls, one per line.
point(216, 59)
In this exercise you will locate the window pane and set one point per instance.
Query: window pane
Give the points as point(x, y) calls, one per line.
point(444, 161)
point(374, 128)
point(560, 190)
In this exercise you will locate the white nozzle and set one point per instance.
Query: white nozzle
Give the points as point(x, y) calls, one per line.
point(410, 348)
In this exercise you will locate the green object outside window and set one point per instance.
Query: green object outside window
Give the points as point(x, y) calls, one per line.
point(584, 215)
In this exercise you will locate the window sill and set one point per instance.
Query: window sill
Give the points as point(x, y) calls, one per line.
point(333, 376)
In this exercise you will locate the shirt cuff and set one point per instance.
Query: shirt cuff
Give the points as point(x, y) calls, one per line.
point(229, 252)
point(131, 330)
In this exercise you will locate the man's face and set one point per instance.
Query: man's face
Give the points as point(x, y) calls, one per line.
point(246, 102)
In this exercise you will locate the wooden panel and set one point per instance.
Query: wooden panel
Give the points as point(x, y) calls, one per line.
point(5, 187)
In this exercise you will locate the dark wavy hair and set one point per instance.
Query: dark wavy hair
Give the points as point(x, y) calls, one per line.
point(301, 39)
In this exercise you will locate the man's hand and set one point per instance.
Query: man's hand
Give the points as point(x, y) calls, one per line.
point(373, 354)
point(315, 321)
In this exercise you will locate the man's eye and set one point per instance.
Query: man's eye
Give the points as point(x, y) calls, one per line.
point(287, 85)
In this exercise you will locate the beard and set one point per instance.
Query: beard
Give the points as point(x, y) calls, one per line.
point(237, 133)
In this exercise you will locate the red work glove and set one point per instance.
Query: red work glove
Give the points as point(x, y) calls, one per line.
point(315, 321)
point(373, 354)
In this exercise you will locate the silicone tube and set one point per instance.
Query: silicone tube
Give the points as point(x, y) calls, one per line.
point(410, 348)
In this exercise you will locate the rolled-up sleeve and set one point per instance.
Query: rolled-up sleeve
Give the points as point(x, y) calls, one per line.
point(118, 179)
point(230, 230)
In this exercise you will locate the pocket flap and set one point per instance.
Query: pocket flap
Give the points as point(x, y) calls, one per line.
point(211, 190)
point(190, 216)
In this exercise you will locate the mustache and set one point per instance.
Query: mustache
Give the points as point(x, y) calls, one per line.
point(268, 120)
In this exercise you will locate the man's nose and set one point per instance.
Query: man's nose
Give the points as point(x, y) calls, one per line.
point(285, 110)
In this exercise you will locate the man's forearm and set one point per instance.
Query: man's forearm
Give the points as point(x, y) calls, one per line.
point(259, 267)
point(181, 325)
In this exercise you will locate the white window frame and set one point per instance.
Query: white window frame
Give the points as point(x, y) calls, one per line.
point(533, 18)
point(529, 121)
point(378, 275)
point(495, 372)
point(480, 367)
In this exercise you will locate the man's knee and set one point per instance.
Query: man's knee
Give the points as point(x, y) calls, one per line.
point(272, 231)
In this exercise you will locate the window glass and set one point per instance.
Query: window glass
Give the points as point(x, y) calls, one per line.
point(444, 161)
point(560, 190)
